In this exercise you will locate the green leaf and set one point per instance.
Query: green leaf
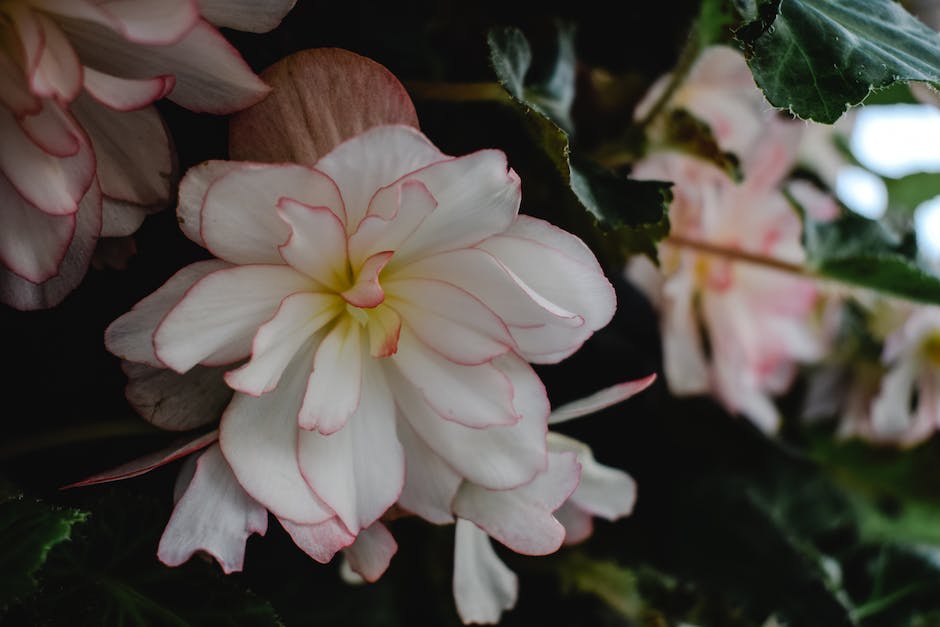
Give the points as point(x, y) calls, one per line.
point(612, 583)
point(109, 575)
point(907, 193)
point(632, 213)
point(29, 529)
point(819, 57)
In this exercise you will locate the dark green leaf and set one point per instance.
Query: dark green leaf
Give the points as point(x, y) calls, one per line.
point(29, 529)
point(818, 57)
point(634, 212)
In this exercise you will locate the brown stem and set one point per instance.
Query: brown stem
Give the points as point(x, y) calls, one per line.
point(739, 255)
point(457, 92)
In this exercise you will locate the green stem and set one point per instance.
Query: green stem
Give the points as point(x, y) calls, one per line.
point(73, 435)
point(457, 92)
point(690, 52)
point(879, 605)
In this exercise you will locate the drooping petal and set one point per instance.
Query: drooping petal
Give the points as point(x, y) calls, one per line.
point(359, 470)
point(317, 242)
point(258, 437)
point(483, 586)
point(145, 464)
point(559, 267)
point(210, 75)
point(246, 15)
point(130, 337)
point(374, 159)
point(335, 389)
point(521, 518)
point(371, 553)
point(132, 150)
point(578, 524)
point(430, 484)
point(449, 320)
point(472, 395)
point(600, 400)
point(499, 457)
point(173, 401)
point(192, 193)
point(124, 94)
point(477, 196)
point(321, 541)
point(22, 294)
point(277, 340)
point(214, 322)
point(603, 491)
point(239, 221)
point(321, 98)
point(214, 515)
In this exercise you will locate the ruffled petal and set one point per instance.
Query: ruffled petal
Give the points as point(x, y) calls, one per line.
point(124, 94)
point(358, 471)
point(473, 395)
point(214, 515)
point(159, 22)
point(246, 15)
point(173, 401)
point(499, 457)
point(130, 337)
point(321, 541)
point(603, 491)
point(192, 193)
point(483, 586)
point(521, 518)
point(371, 553)
point(239, 221)
point(562, 269)
point(394, 214)
point(258, 437)
point(317, 242)
point(321, 98)
point(32, 243)
point(214, 322)
point(430, 484)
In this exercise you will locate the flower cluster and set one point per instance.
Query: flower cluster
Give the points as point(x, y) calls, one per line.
point(82, 153)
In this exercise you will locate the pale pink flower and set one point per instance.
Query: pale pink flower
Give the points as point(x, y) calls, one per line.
point(757, 320)
point(82, 154)
point(372, 313)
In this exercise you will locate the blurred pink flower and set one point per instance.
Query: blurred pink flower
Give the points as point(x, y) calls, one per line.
point(83, 154)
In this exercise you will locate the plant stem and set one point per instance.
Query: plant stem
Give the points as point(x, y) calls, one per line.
point(457, 92)
point(83, 433)
point(739, 255)
point(690, 52)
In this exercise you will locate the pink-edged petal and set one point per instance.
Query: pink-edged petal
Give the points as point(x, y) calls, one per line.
point(384, 331)
point(321, 541)
point(32, 243)
point(22, 294)
point(601, 399)
point(578, 524)
point(130, 337)
point(246, 15)
point(53, 131)
point(53, 184)
point(335, 388)
point(477, 195)
point(135, 163)
point(124, 94)
point(119, 220)
point(176, 402)
point(210, 75)
point(214, 322)
point(158, 22)
point(366, 291)
point(559, 267)
point(430, 484)
point(192, 193)
point(372, 552)
point(149, 462)
point(394, 214)
point(277, 340)
point(522, 518)
point(14, 88)
point(476, 396)
point(359, 470)
point(317, 242)
point(537, 325)
point(57, 72)
point(499, 457)
point(23, 24)
point(215, 515)
point(320, 98)
point(603, 491)
point(374, 159)
point(684, 359)
point(450, 320)
point(258, 437)
point(484, 587)
point(239, 219)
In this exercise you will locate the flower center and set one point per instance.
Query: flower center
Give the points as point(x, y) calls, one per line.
point(931, 348)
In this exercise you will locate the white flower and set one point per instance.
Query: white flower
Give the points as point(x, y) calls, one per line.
point(82, 154)
point(374, 312)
